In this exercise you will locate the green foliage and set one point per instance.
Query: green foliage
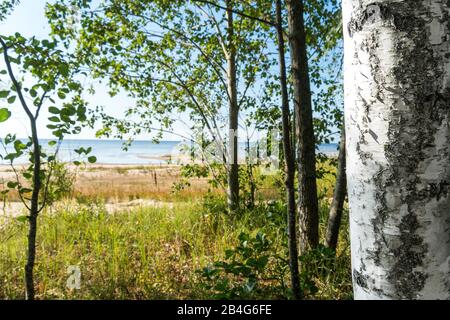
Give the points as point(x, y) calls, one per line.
point(146, 253)
point(6, 7)
point(5, 114)
point(240, 274)
point(323, 265)
point(188, 172)
point(170, 56)
point(61, 184)
point(161, 252)
point(47, 67)
point(325, 48)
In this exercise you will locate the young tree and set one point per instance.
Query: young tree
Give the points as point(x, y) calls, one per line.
point(288, 157)
point(48, 67)
point(233, 113)
point(180, 56)
point(397, 109)
point(323, 35)
point(307, 203)
point(340, 191)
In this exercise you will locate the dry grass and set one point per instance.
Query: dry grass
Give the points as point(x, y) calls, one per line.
point(127, 183)
point(122, 183)
point(152, 250)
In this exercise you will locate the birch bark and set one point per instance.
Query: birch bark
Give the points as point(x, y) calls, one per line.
point(397, 108)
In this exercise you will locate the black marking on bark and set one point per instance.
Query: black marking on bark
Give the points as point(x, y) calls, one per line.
point(442, 190)
point(371, 13)
point(388, 12)
point(409, 255)
point(360, 279)
point(364, 156)
point(374, 135)
point(414, 129)
point(411, 134)
point(380, 220)
point(433, 191)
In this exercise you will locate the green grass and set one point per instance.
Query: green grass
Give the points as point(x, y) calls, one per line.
point(148, 253)
point(155, 253)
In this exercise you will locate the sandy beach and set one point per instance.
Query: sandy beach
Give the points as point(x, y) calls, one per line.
point(118, 186)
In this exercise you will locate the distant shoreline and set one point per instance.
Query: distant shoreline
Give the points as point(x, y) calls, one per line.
point(106, 165)
point(141, 152)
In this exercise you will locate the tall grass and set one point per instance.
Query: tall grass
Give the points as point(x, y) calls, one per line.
point(155, 252)
point(147, 253)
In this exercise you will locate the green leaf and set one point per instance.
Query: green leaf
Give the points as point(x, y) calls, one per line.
point(5, 114)
point(4, 93)
point(64, 69)
point(53, 110)
point(102, 132)
point(25, 190)
point(10, 138)
point(61, 95)
point(92, 159)
point(11, 156)
point(12, 184)
point(27, 175)
point(18, 145)
point(22, 219)
point(73, 86)
point(54, 119)
point(11, 99)
point(52, 143)
point(13, 60)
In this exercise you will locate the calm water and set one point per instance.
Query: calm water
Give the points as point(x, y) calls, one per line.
point(140, 152)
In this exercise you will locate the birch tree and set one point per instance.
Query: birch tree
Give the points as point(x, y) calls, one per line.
point(51, 76)
point(397, 108)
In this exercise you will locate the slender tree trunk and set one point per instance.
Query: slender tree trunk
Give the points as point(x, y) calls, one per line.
point(233, 166)
point(34, 204)
point(397, 108)
point(294, 136)
point(308, 205)
point(31, 256)
point(251, 178)
point(340, 191)
point(289, 161)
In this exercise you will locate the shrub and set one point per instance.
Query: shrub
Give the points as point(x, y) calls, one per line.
point(61, 184)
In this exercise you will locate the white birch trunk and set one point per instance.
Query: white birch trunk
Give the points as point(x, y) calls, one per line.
point(397, 108)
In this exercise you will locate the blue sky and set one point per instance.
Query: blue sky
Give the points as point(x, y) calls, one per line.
point(28, 19)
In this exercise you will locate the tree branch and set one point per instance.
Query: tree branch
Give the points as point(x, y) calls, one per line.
point(270, 23)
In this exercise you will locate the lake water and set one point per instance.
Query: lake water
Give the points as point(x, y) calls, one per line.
point(140, 152)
